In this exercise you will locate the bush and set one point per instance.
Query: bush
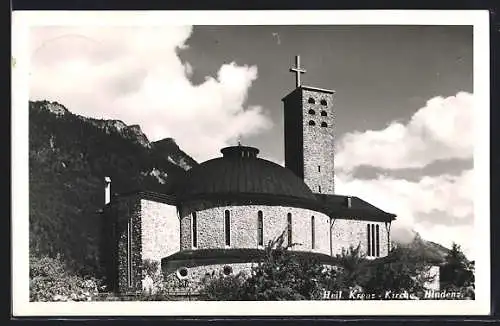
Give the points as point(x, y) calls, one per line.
point(50, 281)
point(280, 276)
point(400, 272)
point(222, 287)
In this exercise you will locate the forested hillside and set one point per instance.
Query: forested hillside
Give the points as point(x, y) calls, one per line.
point(69, 156)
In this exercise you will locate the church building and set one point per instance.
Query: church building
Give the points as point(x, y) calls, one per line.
point(225, 210)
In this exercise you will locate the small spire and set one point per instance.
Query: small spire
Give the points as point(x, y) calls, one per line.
point(239, 140)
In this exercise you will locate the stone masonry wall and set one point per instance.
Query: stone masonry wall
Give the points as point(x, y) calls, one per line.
point(353, 232)
point(193, 282)
point(154, 235)
point(244, 227)
point(294, 159)
point(128, 211)
point(318, 142)
point(160, 230)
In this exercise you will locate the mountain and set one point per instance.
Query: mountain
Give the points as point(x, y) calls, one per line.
point(424, 250)
point(69, 156)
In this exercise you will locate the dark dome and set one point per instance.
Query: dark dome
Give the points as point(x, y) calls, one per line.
point(239, 171)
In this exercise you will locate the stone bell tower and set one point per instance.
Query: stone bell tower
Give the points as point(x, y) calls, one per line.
point(309, 134)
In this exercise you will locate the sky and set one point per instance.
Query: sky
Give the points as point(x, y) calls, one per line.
point(403, 102)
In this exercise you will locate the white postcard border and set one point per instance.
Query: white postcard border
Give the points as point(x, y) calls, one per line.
point(22, 21)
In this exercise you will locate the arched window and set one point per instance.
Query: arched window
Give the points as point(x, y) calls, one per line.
point(324, 124)
point(313, 236)
point(289, 228)
point(311, 100)
point(311, 111)
point(227, 227)
point(323, 102)
point(323, 113)
point(194, 230)
point(260, 229)
point(312, 123)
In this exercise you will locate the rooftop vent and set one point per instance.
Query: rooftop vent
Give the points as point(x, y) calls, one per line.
point(348, 202)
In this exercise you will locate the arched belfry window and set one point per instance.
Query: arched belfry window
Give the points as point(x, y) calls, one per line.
point(311, 100)
point(312, 123)
point(227, 227)
point(323, 102)
point(289, 228)
point(323, 113)
point(260, 229)
point(324, 124)
point(311, 111)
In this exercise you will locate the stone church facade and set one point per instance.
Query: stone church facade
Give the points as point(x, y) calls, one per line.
point(225, 210)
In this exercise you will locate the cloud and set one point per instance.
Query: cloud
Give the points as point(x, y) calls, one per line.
point(441, 130)
point(426, 205)
point(136, 75)
point(439, 207)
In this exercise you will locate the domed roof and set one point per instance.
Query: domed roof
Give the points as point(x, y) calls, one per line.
point(238, 172)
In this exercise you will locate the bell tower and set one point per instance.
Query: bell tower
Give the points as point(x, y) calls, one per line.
point(309, 134)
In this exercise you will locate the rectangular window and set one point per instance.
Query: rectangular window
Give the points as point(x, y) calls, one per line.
point(227, 228)
point(194, 230)
point(319, 189)
point(373, 231)
point(369, 241)
point(260, 229)
point(289, 228)
point(373, 240)
point(319, 168)
point(313, 238)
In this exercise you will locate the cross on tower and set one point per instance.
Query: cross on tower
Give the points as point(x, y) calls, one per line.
point(297, 70)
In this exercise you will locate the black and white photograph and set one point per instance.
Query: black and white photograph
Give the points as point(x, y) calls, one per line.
point(171, 160)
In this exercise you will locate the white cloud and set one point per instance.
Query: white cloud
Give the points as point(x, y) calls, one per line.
point(136, 75)
point(443, 129)
point(440, 199)
point(440, 208)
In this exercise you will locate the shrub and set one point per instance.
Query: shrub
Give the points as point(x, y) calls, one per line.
point(222, 287)
point(399, 272)
point(50, 281)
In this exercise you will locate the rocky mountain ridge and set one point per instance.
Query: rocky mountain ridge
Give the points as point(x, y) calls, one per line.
point(69, 156)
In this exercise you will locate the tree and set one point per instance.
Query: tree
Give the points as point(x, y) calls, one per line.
point(351, 268)
point(457, 273)
point(399, 272)
point(284, 276)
